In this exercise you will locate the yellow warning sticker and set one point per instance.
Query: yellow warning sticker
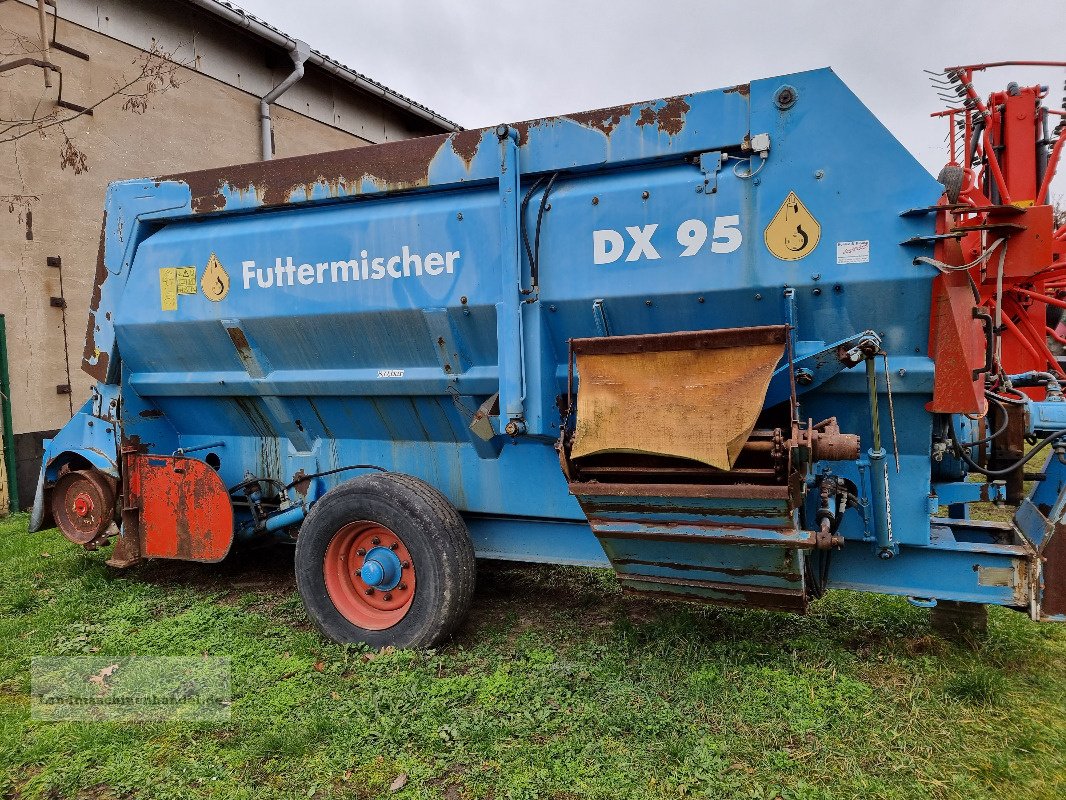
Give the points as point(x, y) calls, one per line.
point(215, 280)
point(793, 232)
point(186, 280)
point(168, 288)
point(174, 281)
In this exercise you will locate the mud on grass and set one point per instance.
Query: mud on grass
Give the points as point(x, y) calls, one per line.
point(557, 686)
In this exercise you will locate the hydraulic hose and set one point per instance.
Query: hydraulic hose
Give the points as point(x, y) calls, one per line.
point(999, 473)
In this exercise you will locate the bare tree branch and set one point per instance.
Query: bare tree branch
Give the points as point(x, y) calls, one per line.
point(157, 71)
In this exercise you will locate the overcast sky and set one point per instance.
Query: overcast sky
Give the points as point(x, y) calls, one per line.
point(481, 62)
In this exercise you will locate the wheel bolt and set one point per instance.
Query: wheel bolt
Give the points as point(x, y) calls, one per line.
point(369, 591)
point(394, 546)
point(387, 597)
point(361, 551)
point(403, 586)
point(375, 540)
point(405, 564)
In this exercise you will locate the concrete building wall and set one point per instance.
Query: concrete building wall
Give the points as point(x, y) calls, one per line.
point(238, 59)
point(50, 212)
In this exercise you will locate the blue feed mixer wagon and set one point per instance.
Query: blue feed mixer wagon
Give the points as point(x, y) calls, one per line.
point(710, 342)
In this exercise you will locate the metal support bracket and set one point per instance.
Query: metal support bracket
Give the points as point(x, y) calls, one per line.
point(710, 166)
point(599, 316)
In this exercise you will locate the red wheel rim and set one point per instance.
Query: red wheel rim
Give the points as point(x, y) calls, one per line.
point(360, 603)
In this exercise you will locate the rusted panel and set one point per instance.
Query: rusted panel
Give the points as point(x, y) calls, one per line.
point(708, 474)
point(594, 508)
point(732, 491)
point(185, 511)
point(956, 344)
point(684, 340)
point(1053, 601)
point(743, 89)
point(655, 524)
point(666, 383)
point(93, 361)
point(392, 166)
point(803, 541)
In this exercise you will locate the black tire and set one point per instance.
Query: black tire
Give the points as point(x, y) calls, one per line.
point(434, 534)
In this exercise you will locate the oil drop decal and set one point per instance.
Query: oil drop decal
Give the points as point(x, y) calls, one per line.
point(215, 280)
point(793, 232)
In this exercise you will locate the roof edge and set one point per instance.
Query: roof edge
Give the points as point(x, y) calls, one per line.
point(241, 19)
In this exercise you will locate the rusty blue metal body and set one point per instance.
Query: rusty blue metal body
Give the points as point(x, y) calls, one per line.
point(370, 301)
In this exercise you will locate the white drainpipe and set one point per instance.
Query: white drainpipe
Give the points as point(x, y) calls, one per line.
point(299, 53)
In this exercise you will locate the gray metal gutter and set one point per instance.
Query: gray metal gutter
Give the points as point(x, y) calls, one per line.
point(299, 54)
point(239, 18)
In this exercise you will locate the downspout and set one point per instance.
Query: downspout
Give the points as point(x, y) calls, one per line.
point(43, 19)
point(257, 28)
point(299, 53)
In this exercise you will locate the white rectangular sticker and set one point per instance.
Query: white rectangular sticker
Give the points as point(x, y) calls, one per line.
point(390, 373)
point(853, 252)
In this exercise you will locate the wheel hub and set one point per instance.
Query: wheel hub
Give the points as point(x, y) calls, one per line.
point(83, 505)
point(369, 575)
point(381, 569)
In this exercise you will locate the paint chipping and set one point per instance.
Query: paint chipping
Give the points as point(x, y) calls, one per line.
point(670, 117)
point(604, 120)
point(93, 362)
point(392, 166)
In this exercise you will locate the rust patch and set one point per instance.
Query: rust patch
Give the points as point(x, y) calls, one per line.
point(99, 369)
point(133, 444)
point(702, 492)
point(523, 131)
point(301, 483)
point(393, 166)
point(743, 89)
point(240, 341)
point(604, 120)
point(672, 115)
point(681, 340)
point(670, 118)
point(465, 144)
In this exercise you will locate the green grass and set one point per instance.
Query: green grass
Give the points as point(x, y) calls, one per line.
point(557, 687)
